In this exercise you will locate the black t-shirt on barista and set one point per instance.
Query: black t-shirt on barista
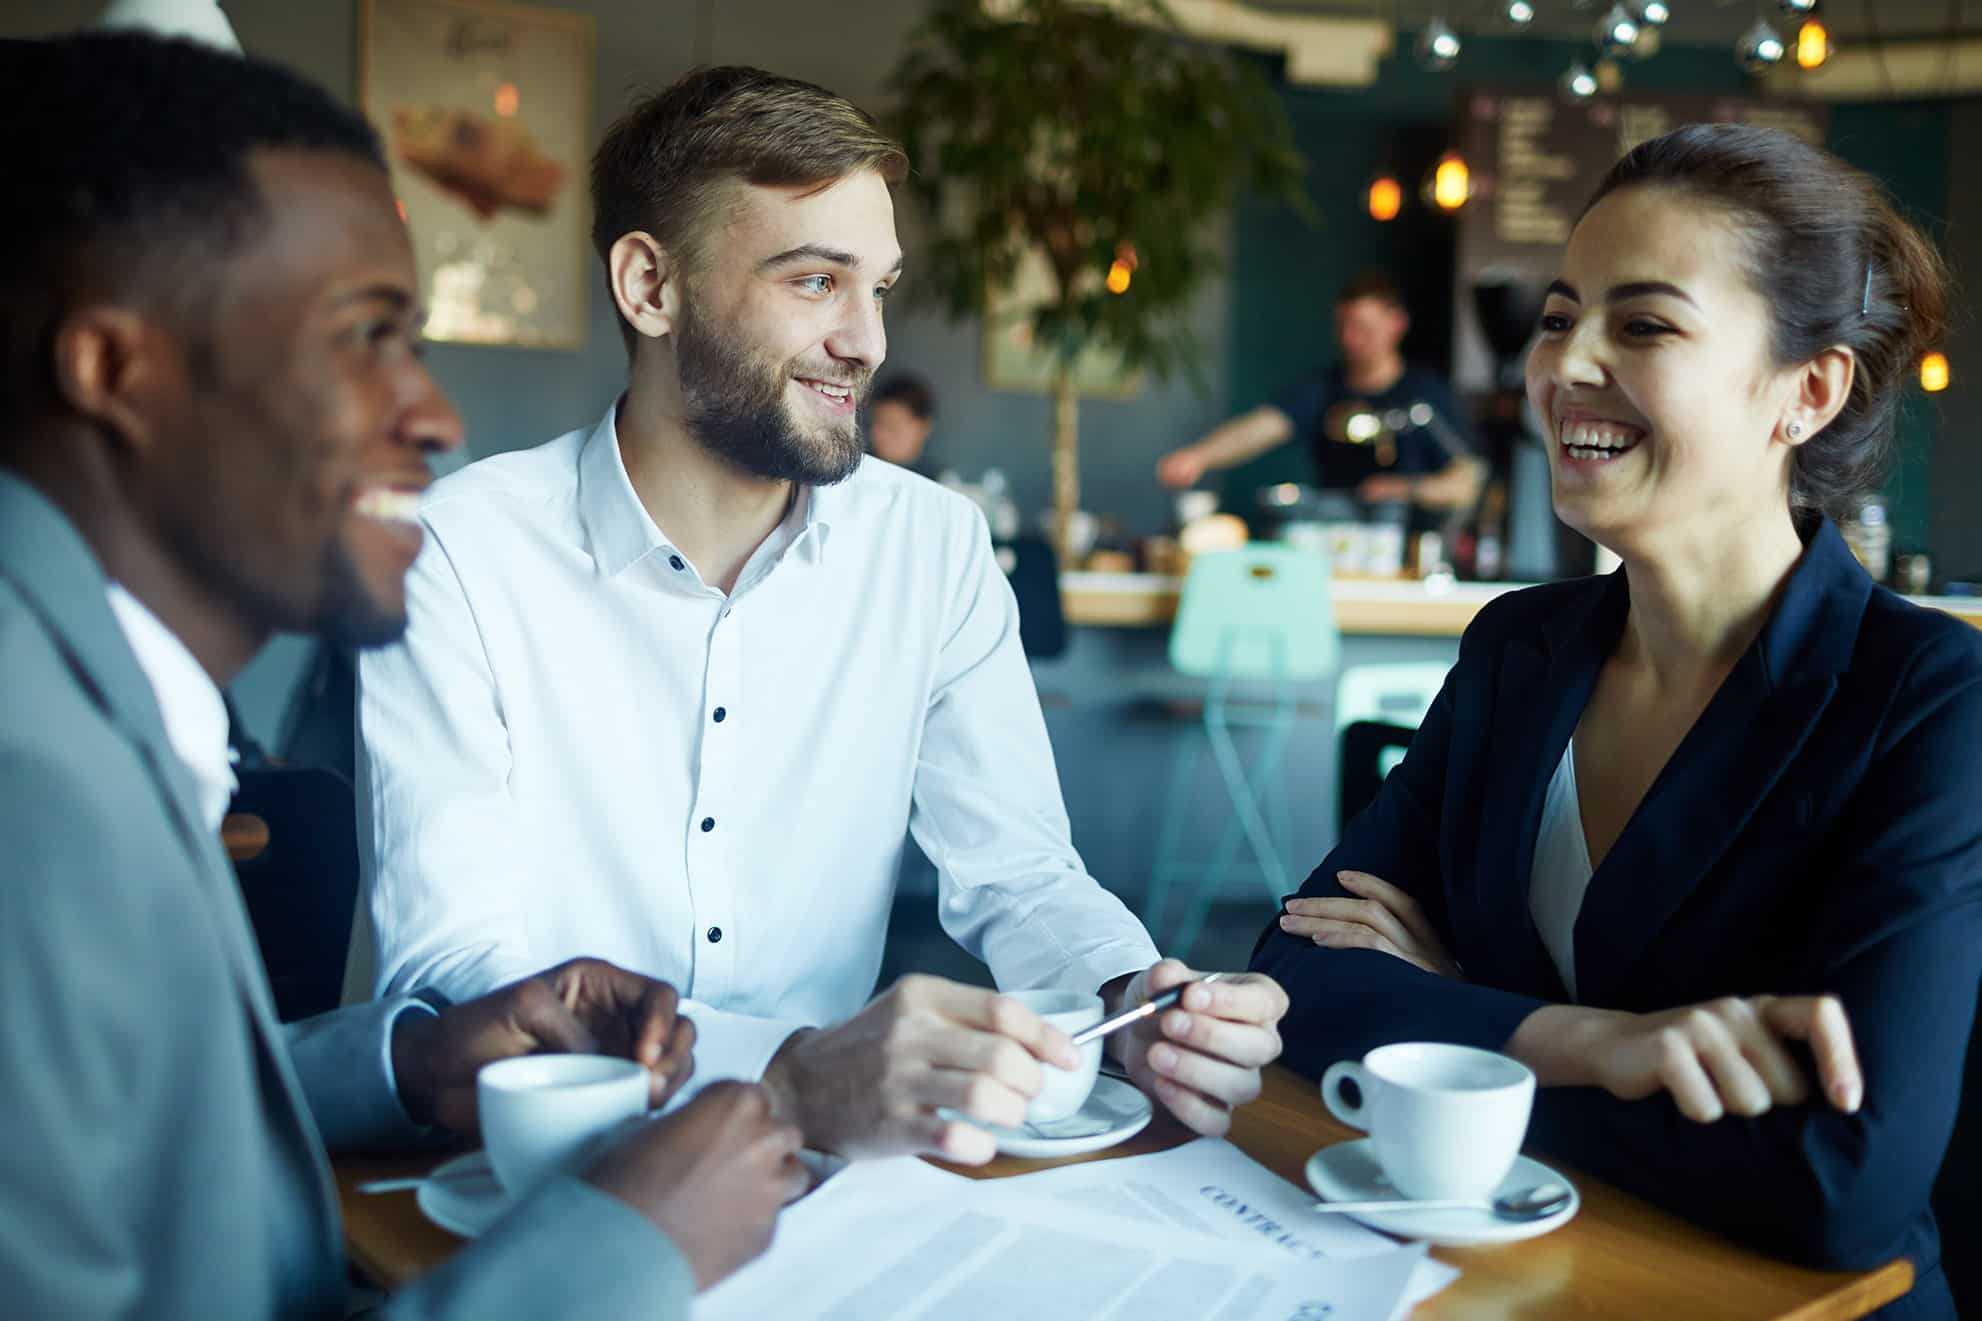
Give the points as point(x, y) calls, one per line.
point(1343, 465)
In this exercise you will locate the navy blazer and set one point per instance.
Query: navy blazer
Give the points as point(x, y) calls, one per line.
point(1818, 830)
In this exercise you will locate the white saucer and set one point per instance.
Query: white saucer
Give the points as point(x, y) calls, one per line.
point(463, 1196)
point(1348, 1172)
point(1115, 1111)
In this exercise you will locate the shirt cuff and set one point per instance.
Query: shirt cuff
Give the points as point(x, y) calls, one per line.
point(1096, 968)
point(343, 1059)
point(399, 1008)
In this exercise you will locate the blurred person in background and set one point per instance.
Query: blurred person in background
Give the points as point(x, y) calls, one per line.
point(1432, 466)
point(900, 413)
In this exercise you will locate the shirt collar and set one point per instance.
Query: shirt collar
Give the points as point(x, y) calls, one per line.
point(813, 520)
point(617, 524)
point(195, 714)
point(622, 532)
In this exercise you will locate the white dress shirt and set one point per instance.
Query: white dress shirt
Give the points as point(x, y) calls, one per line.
point(197, 727)
point(1560, 876)
point(189, 701)
point(583, 748)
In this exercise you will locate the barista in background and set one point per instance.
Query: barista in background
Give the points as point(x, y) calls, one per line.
point(1370, 321)
point(899, 417)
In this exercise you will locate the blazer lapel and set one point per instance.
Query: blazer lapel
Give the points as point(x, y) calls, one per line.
point(57, 574)
point(1539, 694)
point(1725, 767)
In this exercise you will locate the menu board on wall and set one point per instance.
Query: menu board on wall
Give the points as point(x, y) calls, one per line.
point(1536, 158)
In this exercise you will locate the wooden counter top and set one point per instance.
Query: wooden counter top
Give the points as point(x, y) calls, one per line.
point(1400, 607)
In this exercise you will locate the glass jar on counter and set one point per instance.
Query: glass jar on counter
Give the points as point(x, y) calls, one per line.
point(1870, 537)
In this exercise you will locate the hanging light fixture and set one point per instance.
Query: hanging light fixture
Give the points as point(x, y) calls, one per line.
point(1760, 48)
point(1520, 13)
point(1438, 46)
point(1617, 31)
point(1934, 373)
point(1450, 183)
point(1385, 198)
point(1813, 44)
point(1651, 13)
point(1797, 8)
point(1122, 269)
point(1578, 83)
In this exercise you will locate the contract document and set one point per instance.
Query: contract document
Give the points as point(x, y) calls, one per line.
point(899, 1240)
point(1212, 1187)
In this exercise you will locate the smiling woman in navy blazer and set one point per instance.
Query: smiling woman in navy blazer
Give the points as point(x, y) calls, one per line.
point(1699, 841)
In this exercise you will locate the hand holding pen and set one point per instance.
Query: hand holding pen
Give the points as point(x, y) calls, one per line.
point(1156, 1005)
point(1198, 1042)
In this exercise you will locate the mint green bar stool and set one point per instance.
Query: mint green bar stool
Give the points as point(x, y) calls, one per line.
point(1254, 623)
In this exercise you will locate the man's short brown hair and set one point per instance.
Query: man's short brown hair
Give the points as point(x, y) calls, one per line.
point(662, 165)
point(1371, 284)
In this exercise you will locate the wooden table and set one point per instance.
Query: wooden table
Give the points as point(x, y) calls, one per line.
point(1617, 1258)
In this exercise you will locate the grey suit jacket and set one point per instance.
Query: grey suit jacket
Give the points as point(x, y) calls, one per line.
point(161, 1135)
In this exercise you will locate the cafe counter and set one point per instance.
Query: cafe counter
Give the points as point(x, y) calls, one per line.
point(1120, 717)
point(1392, 607)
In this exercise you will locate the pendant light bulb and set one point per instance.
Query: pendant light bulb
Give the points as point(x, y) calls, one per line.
point(1438, 46)
point(1760, 49)
point(1617, 31)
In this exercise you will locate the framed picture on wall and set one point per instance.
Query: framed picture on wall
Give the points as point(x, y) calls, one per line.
point(1013, 362)
point(485, 109)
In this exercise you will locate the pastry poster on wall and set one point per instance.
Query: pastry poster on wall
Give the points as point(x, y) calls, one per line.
point(485, 110)
point(1012, 361)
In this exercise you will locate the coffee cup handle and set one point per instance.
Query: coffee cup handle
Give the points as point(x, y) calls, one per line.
point(1355, 1116)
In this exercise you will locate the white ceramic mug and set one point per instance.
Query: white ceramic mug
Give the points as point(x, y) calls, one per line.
point(1193, 505)
point(539, 1112)
point(1062, 1092)
point(1445, 1121)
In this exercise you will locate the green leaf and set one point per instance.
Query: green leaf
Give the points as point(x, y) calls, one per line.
point(1078, 121)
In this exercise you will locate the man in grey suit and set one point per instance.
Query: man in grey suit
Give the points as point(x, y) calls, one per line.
point(213, 425)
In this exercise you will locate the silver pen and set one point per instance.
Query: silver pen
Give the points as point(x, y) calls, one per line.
point(1155, 1005)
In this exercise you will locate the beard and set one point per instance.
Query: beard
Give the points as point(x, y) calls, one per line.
point(733, 402)
point(348, 614)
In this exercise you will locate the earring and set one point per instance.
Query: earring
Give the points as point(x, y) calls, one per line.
point(1795, 430)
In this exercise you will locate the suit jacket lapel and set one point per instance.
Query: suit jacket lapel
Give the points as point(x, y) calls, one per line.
point(1539, 694)
point(1724, 768)
point(58, 575)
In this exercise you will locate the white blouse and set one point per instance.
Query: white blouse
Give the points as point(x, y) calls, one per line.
point(1561, 874)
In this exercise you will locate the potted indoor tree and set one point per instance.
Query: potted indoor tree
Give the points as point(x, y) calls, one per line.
point(1101, 142)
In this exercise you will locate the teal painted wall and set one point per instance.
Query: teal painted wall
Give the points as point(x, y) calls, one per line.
point(1284, 272)
point(1907, 145)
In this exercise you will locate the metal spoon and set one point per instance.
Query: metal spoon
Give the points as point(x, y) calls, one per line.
point(1536, 1203)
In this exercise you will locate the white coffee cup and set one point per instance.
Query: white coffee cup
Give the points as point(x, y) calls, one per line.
point(1445, 1121)
point(1062, 1092)
point(1193, 505)
point(539, 1112)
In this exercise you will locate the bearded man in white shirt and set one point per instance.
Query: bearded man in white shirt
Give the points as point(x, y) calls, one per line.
point(677, 685)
